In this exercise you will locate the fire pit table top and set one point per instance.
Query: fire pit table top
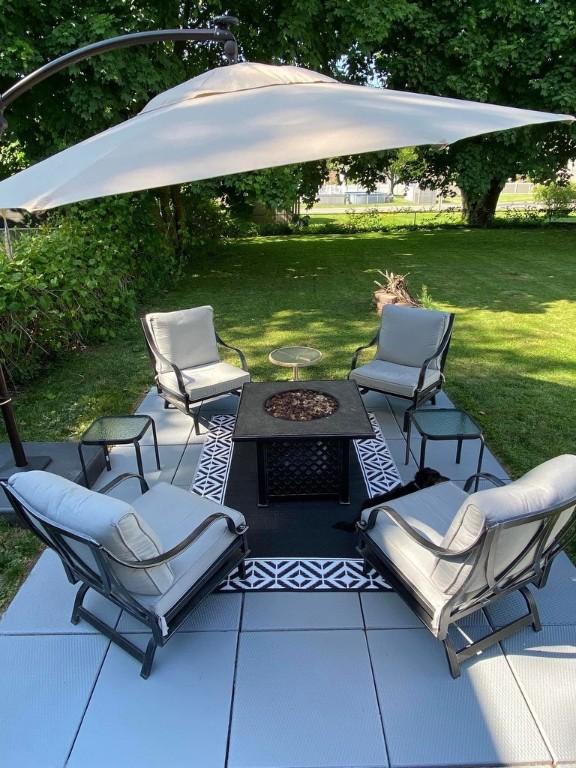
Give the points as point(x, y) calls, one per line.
point(350, 420)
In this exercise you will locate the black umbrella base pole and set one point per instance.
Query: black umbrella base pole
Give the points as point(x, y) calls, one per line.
point(34, 462)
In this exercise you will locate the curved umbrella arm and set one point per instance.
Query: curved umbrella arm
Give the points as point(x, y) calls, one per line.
point(221, 33)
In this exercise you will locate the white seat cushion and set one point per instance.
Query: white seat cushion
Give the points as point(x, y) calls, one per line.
point(410, 335)
point(207, 380)
point(431, 512)
point(186, 337)
point(112, 523)
point(174, 513)
point(392, 377)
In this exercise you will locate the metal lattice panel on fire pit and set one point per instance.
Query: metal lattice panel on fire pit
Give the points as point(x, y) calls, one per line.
point(303, 468)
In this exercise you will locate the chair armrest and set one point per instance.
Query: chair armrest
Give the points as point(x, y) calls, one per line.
point(165, 557)
point(439, 352)
point(371, 343)
point(417, 536)
point(120, 479)
point(482, 476)
point(239, 352)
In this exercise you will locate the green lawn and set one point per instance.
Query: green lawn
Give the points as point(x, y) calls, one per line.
point(512, 361)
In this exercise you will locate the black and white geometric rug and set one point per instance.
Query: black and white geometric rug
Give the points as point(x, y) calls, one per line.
point(211, 477)
point(376, 473)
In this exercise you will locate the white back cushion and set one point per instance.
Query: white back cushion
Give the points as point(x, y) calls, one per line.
point(410, 335)
point(548, 485)
point(186, 337)
point(111, 522)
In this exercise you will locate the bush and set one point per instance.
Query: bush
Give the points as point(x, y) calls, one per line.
point(73, 280)
point(559, 199)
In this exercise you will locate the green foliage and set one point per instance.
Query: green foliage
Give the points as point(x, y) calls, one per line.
point(76, 278)
point(519, 53)
point(558, 198)
point(18, 551)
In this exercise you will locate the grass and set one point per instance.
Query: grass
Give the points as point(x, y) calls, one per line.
point(512, 363)
point(18, 552)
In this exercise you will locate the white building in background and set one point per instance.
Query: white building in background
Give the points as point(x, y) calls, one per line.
point(349, 194)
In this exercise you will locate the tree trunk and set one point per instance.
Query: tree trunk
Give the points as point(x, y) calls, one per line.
point(479, 210)
point(167, 215)
point(179, 219)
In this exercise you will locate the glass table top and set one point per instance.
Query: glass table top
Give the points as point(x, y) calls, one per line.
point(116, 428)
point(445, 422)
point(291, 356)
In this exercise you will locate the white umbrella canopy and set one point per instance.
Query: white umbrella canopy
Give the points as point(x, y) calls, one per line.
point(245, 117)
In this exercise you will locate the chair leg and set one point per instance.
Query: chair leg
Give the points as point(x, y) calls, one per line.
point(407, 413)
point(148, 659)
point(365, 567)
point(78, 600)
point(532, 608)
point(452, 657)
point(433, 400)
point(455, 658)
point(196, 421)
point(242, 572)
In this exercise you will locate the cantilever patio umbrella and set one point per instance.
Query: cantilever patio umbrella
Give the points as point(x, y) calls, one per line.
point(248, 116)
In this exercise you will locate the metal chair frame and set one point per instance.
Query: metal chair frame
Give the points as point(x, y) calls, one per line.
point(481, 557)
point(421, 394)
point(103, 579)
point(181, 399)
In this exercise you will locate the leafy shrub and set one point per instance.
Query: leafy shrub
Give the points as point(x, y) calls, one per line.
point(558, 198)
point(366, 221)
point(73, 280)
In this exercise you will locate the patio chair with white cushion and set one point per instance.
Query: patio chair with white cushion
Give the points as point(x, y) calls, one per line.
point(412, 345)
point(183, 347)
point(449, 554)
point(156, 558)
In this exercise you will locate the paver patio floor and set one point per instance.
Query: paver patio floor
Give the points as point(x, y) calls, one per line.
point(283, 680)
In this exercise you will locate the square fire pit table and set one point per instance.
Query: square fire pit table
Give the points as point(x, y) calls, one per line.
point(304, 459)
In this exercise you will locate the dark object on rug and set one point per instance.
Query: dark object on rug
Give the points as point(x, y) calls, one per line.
point(424, 478)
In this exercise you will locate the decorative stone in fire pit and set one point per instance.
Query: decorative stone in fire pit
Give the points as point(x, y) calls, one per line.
point(301, 405)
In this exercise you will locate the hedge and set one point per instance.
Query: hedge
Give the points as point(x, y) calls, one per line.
point(78, 277)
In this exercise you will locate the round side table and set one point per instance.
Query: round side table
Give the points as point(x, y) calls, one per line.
point(295, 358)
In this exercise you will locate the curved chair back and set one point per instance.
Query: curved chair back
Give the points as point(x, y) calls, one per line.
point(81, 556)
point(185, 338)
point(410, 335)
point(88, 529)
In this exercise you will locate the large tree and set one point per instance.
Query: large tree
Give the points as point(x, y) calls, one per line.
point(518, 53)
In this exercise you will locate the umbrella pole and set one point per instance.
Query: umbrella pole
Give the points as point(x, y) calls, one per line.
point(220, 33)
point(21, 462)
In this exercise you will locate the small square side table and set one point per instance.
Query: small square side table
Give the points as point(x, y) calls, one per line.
point(119, 430)
point(444, 424)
